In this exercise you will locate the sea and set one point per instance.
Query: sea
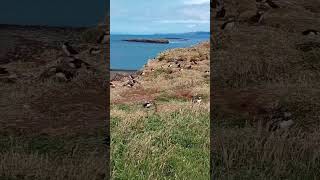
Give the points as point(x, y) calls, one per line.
point(133, 55)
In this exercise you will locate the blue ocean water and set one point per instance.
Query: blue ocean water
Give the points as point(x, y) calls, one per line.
point(133, 55)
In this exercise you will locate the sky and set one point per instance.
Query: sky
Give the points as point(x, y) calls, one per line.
point(159, 16)
point(53, 12)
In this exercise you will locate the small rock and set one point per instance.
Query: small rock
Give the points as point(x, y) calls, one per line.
point(61, 76)
point(13, 76)
point(72, 65)
point(286, 124)
point(287, 114)
point(26, 106)
point(53, 69)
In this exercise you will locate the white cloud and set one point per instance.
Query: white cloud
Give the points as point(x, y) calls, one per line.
point(191, 25)
point(190, 21)
point(194, 13)
point(194, 2)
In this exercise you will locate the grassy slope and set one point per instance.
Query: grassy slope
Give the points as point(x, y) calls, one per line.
point(258, 72)
point(171, 141)
point(52, 130)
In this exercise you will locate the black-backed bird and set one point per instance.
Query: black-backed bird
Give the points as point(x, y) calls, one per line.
point(112, 85)
point(147, 104)
point(196, 99)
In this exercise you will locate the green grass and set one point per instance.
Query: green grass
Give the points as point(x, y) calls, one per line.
point(161, 146)
point(53, 157)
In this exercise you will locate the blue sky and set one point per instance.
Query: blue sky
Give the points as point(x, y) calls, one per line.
point(159, 16)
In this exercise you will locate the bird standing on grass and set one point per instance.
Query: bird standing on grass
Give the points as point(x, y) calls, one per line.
point(196, 99)
point(112, 85)
point(147, 104)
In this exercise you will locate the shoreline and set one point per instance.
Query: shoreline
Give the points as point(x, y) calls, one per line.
point(132, 71)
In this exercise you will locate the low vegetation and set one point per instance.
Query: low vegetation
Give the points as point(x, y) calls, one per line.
point(169, 140)
point(52, 129)
point(260, 76)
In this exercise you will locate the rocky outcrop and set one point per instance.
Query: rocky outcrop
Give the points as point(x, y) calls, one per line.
point(65, 70)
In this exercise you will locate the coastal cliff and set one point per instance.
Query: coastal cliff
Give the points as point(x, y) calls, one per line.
point(163, 106)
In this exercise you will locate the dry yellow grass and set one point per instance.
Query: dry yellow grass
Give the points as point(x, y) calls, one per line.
point(258, 74)
point(171, 139)
point(50, 129)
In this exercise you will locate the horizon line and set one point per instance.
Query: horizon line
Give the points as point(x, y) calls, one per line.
point(120, 33)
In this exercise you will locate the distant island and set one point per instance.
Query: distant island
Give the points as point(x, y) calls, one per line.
point(181, 39)
point(186, 33)
point(160, 41)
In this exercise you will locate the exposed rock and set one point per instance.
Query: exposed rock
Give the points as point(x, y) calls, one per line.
point(118, 77)
point(286, 124)
point(287, 114)
point(61, 76)
point(66, 69)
